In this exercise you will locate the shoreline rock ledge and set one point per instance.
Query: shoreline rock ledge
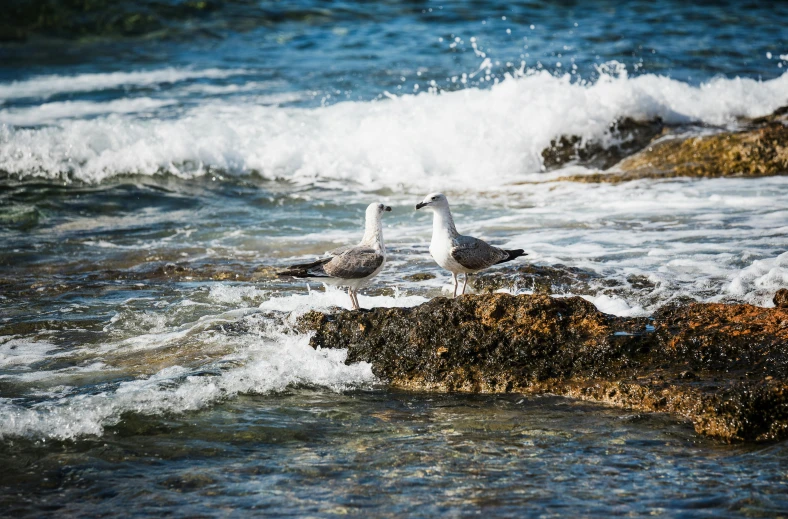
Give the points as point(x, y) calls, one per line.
point(723, 367)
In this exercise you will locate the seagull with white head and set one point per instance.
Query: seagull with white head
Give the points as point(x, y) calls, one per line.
point(457, 253)
point(351, 267)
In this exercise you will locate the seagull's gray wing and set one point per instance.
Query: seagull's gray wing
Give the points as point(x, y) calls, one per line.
point(340, 250)
point(306, 270)
point(354, 263)
point(475, 254)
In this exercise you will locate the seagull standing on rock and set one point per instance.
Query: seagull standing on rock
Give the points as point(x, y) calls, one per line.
point(457, 253)
point(351, 267)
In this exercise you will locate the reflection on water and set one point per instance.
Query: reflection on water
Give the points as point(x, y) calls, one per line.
point(384, 453)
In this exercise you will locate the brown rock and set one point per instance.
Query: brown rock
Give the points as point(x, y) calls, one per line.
point(781, 298)
point(420, 276)
point(542, 279)
point(631, 136)
point(723, 367)
point(757, 152)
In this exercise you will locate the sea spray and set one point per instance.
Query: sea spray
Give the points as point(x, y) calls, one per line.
point(473, 138)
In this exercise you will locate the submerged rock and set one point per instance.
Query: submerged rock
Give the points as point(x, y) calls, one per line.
point(723, 367)
point(207, 272)
point(420, 276)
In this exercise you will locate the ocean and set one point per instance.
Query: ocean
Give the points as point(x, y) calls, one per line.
point(160, 160)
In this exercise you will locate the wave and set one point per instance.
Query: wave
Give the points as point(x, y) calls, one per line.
point(50, 85)
point(261, 355)
point(50, 112)
point(757, 283)
point(473, 138)
point(268, 366)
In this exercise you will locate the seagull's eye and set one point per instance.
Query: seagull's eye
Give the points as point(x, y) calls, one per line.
point(434, 197)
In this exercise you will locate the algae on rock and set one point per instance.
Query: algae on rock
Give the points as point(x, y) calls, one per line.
point(723, 367)
point(750, 153)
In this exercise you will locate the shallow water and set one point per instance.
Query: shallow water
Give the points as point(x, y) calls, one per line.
point(308, 452)
point(155, 171)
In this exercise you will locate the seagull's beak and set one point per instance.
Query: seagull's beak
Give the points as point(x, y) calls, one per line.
point(420, 205)
point(388, 208)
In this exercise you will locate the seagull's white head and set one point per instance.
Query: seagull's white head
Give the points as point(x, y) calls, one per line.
point(375, 210)
point(433, 201)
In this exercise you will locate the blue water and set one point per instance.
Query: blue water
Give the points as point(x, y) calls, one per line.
point(353, 51)
point(159, 161)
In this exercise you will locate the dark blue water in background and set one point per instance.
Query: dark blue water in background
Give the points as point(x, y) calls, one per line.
point(356, 50)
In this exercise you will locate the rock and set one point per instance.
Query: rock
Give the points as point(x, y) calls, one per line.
point(542, 279)
point(421, 276)
point(780, 115)
point(781, 298)
point(630, 136)
point(723, 367)
point(562, 280)
point(758, 152)
point(201, 272)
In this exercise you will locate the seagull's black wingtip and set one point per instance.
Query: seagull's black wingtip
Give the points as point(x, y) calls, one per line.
point(513, 254)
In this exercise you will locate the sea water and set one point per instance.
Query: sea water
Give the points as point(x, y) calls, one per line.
point(239, 138)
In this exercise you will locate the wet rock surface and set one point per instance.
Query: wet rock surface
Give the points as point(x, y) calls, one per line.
point(651, 149)
point(558, 279)
point(722, 367)
point(781, 298)
point(628, 134)
point(542, 279)
point(756, 152)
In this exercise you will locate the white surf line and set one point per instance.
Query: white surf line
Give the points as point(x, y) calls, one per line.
point(47, 86)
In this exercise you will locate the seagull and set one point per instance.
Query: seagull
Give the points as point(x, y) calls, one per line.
point(351, 267)
point(455, 252)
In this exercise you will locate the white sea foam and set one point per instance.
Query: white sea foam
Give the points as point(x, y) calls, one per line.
point(264, 357)
point(323, 300)
point(472, 138)
point(616, 306)
point(51, 112)
point(243, 294)
point(19, 353)
point(261, 366)
point(757, 283)
point(47, 86)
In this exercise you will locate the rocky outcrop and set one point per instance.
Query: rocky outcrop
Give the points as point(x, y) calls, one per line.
point(752, 153)
point(628, 134)
point(781, 298)
point(652, 150)
point(723, 367)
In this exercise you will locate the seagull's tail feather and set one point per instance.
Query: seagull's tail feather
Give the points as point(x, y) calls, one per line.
point(305, 270)
point(513, 254)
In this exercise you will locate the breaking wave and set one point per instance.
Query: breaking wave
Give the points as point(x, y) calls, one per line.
point(473, 137)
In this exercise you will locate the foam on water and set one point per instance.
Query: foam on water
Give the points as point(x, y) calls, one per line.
point(332, 297)
point(224, 293)
point(265, 357)
point(615, 306)
point(19, 353)
point(50, 112)
point(472, 138)
point(260, 366)
point(50, 85)
point(757, 283)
